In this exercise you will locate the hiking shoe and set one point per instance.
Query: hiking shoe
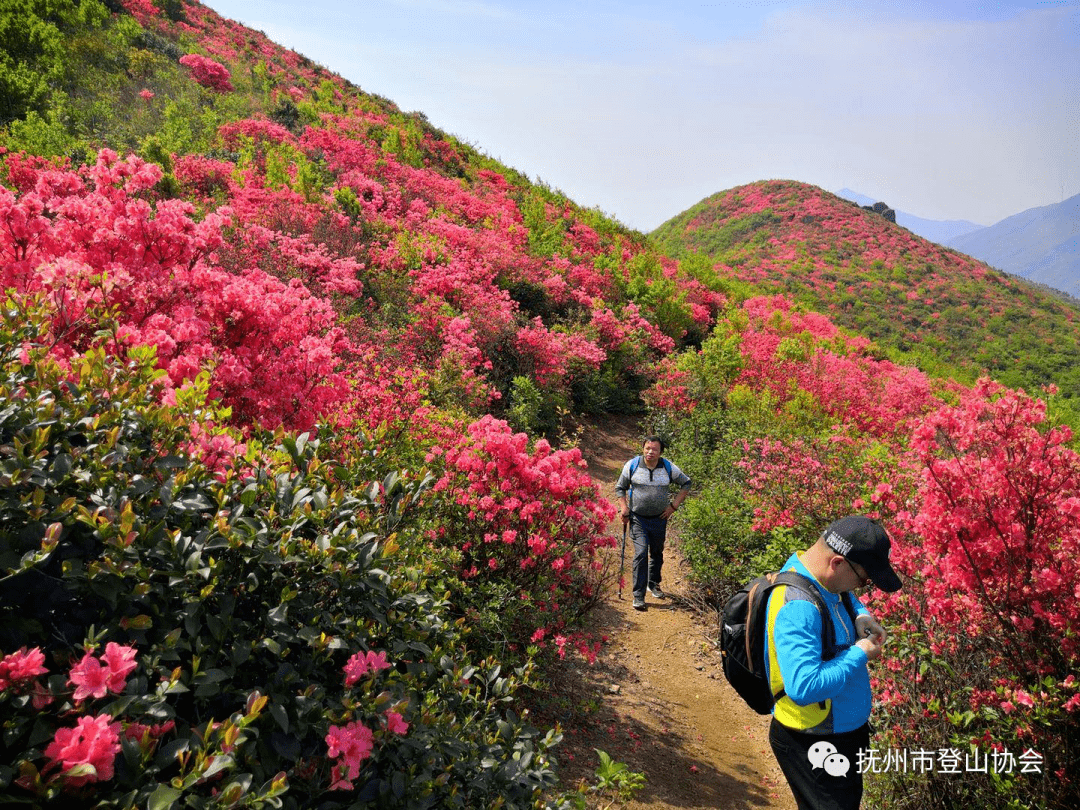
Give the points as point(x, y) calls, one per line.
point(639, 602)
point(654, 590)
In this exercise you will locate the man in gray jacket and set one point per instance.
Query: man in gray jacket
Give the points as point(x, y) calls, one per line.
point(645, 488)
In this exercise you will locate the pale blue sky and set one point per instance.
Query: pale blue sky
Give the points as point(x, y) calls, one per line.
point(954, 109)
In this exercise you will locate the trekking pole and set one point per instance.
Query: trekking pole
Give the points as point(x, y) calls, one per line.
point(622, 564)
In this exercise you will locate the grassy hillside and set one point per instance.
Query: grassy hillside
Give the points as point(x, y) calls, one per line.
point(504, 293)
point(919, 302)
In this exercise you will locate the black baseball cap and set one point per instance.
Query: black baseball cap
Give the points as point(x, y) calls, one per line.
point(863, 540)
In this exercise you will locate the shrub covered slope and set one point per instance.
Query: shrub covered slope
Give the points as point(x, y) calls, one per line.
point(926, 305)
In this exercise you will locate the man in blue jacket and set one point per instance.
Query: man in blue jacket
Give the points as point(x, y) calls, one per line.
point(645, 489)
point(821, 719)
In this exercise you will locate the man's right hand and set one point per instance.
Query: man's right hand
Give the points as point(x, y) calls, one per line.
point(871, 645)
point(625, 517)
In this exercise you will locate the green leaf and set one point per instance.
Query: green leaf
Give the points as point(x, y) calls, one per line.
point(218, 764)
point(277, 711)
point(163, 798)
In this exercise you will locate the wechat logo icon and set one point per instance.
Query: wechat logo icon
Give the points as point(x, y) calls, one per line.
point(824, 755)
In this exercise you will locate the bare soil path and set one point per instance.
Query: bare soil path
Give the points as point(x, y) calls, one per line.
point(656, 699)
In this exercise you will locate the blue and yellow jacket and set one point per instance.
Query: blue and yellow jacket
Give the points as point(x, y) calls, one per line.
point(822, 697)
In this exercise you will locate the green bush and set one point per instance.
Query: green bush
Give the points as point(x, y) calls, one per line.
point(243, 591)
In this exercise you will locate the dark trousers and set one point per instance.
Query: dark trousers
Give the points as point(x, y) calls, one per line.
point(815, 788)
point(648, 534)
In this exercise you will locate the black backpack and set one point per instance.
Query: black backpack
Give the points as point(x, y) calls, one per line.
point(742, 635)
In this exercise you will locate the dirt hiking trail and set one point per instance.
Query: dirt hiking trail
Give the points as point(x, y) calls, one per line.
point(656, 698)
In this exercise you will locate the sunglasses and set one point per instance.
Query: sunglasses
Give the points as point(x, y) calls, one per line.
point(864, 577)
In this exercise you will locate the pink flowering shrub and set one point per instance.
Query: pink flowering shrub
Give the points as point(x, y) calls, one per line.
point(210, 74)
point(201, 176)
point(145, 11)
point(271, 631)
point(90, 243)
point(985, 650)
point(548, 354)
point(529, 524)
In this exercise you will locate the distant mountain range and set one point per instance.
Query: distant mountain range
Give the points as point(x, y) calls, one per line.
point(1041, 244)
point(940, 231)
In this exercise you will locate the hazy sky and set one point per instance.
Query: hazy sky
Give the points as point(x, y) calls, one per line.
point(945, 109)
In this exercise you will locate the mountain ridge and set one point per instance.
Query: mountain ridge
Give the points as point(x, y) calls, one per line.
point(925, 303)
point(1041, 244)
point(940, 231)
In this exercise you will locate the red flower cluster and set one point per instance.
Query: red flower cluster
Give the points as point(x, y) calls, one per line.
point(18, 668)
point(86, 752)
point(89, 241)
point(93, 677)
point(532, 519)
point(353, 742)
point(210, 74)
point(83, 753)
point(361, 664)
point(998, 527)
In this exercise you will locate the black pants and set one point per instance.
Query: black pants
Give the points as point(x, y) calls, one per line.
point(816, 788)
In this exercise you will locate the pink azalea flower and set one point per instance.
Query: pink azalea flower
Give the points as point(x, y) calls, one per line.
point(88, 677)
point(362, 663)
point(120, 661)
point(353, 743)
point(95, 741)
point(395, 723)
point(21, 666)
point(95, 678)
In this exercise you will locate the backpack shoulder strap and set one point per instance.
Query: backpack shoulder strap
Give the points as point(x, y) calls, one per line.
point(803, 583)
point(634, 463)
point(757, 620)
point(797, 580)
point(849, 602)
